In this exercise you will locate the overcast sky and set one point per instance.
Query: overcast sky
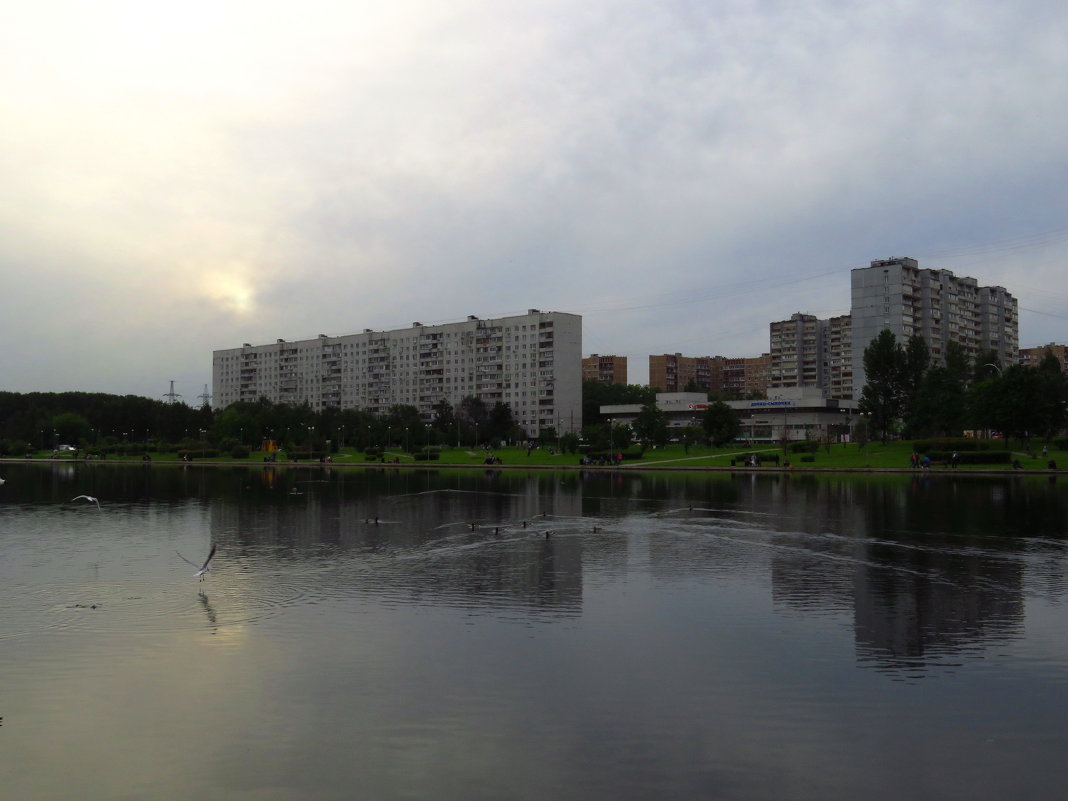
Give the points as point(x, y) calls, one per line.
point(180, 178)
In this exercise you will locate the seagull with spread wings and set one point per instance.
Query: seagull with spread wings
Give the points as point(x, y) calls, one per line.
point(202, 570)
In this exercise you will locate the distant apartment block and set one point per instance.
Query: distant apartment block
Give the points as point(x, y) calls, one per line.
point(1032, 357)
point(809, 352)
point(733, 376)
point(745, 376)
point(674, 372)
point(606, 369)
point(796, 347)
point(897, 294)
point(838, 356)
point(530, 362)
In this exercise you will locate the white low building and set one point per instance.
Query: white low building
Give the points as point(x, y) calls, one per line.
point(793, 413)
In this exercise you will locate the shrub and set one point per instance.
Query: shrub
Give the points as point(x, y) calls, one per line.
point(198, 453)
point(307, 454)
point(239, 452)
point(959, 444)
point(972, 457)
point(805, 446)
point(810, 457)
point(15, 447)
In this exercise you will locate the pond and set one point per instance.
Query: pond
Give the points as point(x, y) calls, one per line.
point(437, 634)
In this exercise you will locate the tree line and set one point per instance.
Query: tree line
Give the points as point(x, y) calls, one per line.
point(907, 394)
point(38, 421)
point(45, 420)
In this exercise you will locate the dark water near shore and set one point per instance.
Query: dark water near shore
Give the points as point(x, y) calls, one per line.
point(590, 636)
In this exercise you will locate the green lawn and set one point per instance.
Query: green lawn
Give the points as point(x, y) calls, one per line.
point(840, 457)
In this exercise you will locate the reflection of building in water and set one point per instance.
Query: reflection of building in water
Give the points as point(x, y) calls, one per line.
point(915, 599)
point(444, 546)
point(921, 607)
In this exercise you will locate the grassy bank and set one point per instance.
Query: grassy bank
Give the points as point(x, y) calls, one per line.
point(874, 455)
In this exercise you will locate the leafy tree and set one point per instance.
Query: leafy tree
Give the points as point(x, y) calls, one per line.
point(621, 436)
point(860, 433)
point(651, 426)
point(597, 436)
point(1022, 402)
point(987, 365)
point(882, 398)
point(721, 423)
point(692, 435)
point(915, 360)
point(444, 417)
point(957, 363)
point(596, 394)
point(500, 425)
point(236, 422)
point(472, 411)
point(71, 428)
point(1053, 392)
point(938, 407)
point(403, 421)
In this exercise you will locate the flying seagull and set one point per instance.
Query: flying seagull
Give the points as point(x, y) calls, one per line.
point(89, 498)
point(201, 569)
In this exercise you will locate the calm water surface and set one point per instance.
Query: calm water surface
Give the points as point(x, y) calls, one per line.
point(676, 636)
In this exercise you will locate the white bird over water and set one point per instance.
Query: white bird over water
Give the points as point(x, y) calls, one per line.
point(88, 498)
point(201, 569)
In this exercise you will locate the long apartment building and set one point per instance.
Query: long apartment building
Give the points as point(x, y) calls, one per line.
point(530, 362)
point(899, 295)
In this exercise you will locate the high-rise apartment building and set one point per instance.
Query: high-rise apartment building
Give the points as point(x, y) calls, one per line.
point(796, 352)
point(606, 369)
point(897, 294)
point(530, 362)
point(838, 356)
point(809, 352)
